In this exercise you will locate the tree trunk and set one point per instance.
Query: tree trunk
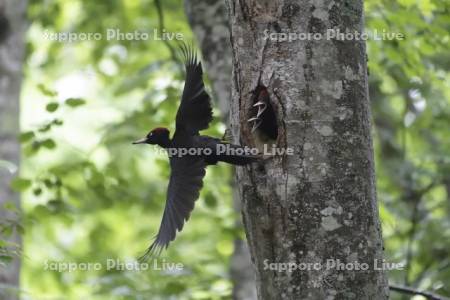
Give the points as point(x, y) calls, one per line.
point(318, 204)
point(12, 29)
point(209, 22)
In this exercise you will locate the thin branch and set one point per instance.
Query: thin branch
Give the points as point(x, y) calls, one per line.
point(411, 291)
point(417, 198)
point(412, 233)
point(160, 12)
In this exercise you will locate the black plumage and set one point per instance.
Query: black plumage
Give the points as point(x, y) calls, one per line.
point(187, 172)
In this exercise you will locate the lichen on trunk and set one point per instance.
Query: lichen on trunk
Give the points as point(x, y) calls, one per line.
point(320, 202)
point(209, 22)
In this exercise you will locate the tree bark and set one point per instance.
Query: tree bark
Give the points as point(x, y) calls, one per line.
point(12, 29)
point(319, 203)
point(209, 22)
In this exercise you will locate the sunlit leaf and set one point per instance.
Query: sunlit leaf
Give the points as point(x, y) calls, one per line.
point(52, 107)
point(46, 91)
point(20, 184)
point(26, 136)
point(49, 144)
point(75, 102)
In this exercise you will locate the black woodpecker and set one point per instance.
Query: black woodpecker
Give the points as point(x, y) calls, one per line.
point(187, 171)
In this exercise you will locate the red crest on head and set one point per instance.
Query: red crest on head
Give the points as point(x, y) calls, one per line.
point(160, 130)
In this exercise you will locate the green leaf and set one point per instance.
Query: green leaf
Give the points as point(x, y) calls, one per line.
point(210, 200)
point(20, 184)
point(57, 122)
point(49, 144)
point(75, 102)
point(20, 229)
point(45, 128)
point(46, 91)
point(48, 183)
point(35, 146)
point(10, 206)
point(52, 107)
point(7, 231)
point(175, 287)
point(55, 205)
point(37, 191)
point(26, 136)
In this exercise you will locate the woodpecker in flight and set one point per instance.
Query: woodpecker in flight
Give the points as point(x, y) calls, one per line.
point(187, 171)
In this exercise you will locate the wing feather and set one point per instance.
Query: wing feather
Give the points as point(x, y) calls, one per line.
point(195, 111)
point(185, 183)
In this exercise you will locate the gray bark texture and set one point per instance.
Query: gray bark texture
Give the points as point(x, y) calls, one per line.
point(12, 31)
point(209, 22)
point(320, 202)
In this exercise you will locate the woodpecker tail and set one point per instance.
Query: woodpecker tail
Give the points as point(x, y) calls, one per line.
point(238, 160)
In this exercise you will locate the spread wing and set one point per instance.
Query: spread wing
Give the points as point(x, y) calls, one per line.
point(195, 111)
point(185, 183)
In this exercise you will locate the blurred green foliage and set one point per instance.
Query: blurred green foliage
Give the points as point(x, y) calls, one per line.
point(89, 195)
point(409, 89)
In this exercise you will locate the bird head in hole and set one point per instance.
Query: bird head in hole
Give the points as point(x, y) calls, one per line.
point(158, 136)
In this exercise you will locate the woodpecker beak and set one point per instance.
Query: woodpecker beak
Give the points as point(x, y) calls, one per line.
point(262, 106)
point(141, 141)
